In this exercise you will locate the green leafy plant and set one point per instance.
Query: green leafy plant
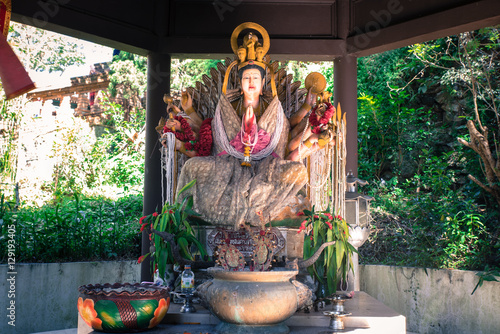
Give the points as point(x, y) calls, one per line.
point(172, 219)
point(76, 229)
point(335, 261)
point(488, 275)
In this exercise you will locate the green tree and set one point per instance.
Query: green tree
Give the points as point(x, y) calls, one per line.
point(38, 50)
point(41, 50)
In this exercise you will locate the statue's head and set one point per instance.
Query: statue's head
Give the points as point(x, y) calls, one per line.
point(259, 53)
point(252, 66)
point(251, 54)
point(252, 80)
point(242, 53)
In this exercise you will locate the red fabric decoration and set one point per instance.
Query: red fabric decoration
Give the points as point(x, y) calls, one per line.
point(186, 134)
point(5, 9)
point(15, 79)
point(203, 146)
point(315, 122)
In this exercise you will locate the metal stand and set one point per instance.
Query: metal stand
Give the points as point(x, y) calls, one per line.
point(338, 302)
point(188, 306)
point(336, 320)
point(337, 314)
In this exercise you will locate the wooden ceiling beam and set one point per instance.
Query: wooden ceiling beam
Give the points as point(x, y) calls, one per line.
point(464, 18)
point(78, 89)
point(281, 49)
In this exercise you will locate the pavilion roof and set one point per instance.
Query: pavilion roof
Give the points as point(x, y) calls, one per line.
point(306, 30)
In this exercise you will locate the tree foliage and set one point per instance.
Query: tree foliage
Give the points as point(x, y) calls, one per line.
point(41, 50)
point(435, 203)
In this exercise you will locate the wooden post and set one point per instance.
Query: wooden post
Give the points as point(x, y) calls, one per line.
point(158, 84)
point(346, 92)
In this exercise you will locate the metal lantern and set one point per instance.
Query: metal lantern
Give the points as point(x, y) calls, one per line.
point(357, 212)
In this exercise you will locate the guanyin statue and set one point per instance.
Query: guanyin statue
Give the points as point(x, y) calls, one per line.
point(247, 129)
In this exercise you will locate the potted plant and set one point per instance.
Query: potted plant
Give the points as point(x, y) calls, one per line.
point(172, 219)
point(333, 263)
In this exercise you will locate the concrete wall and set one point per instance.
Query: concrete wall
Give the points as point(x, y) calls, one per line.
point(46, 294)
point(438, 301)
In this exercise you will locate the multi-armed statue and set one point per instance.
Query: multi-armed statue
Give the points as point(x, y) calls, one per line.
point(246, 130)
point(247, 145)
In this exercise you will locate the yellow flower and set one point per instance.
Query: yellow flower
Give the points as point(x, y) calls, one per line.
point(88, 313)
point(160, 312)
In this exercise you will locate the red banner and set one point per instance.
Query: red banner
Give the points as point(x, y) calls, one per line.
point(5, 9)
point(15, 79)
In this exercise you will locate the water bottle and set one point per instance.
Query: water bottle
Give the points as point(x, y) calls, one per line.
point(187, 280)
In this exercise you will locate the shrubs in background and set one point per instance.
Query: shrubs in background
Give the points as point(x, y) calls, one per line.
point(76, 229)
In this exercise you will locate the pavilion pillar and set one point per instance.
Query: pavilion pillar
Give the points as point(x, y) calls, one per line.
point(346, 92)
point(158, 84)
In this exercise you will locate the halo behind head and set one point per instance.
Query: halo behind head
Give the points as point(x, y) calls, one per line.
point(251, 53)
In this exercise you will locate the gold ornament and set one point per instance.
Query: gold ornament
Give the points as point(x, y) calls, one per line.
point(316, 81)
point(250, 52)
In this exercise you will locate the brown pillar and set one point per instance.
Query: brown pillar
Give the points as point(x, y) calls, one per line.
point(158, 84)
point(346, 92)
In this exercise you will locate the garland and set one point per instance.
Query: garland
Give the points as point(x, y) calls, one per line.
point(317, 123)
point(203, 146)
point(187, 132)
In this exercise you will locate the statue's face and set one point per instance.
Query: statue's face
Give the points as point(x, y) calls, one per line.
point(260, 53)
point(242, 54)
point(251, 82)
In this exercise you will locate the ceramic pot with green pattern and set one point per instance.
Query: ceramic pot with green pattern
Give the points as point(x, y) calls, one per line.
point(115, 308)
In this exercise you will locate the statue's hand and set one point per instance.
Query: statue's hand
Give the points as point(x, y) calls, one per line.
point(249, 113)
point(248, 119)
point(186, 101)
point(173, 123)
point(310, 98)
point(325, 137)
point(173, 108)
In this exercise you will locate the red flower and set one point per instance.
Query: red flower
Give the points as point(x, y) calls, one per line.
point(316, 216)
point(329, 225)
point(170, 211)
point(203, 146)
point(155, 214)
point(300, 213)
point(187, 132)
point(143, 227)
point(302, 226)
point(141, 258)
point(329, 216)
point(311, 238)
point(313, 118)
point(141, 220)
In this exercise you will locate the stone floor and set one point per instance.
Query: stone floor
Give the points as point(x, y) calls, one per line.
point(369, 316)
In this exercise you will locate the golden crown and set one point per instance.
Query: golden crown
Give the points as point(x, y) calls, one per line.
point(251, 51)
